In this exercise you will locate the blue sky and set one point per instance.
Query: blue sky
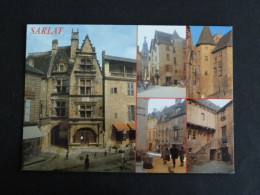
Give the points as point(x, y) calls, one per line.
point(196, 30)
point(116, 40)
point(149, 30)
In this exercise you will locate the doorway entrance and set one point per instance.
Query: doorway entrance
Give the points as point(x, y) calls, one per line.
point(213, 154)
point(59, 137)
point(225, 154)
point(168, 80)
point(85, 136)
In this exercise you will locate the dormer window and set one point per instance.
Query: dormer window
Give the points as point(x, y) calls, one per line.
point(86, 65)
point(61, 68)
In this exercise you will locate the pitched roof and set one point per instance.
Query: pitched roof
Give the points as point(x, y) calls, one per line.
point(33, 69)
point(225, 41)
point(175, 35)
point(208, 104)
point(114, 58)
point(163, 37)
point(170, 112)
point(41, 60)
point(205, 37)
point(224, 107)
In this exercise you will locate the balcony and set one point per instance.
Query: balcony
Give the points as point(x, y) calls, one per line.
point(121, 74)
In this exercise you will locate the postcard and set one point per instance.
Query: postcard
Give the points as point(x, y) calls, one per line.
point(128, 99)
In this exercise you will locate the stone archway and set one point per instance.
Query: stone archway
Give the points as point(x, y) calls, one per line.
point(85, 136)
point(59, 137)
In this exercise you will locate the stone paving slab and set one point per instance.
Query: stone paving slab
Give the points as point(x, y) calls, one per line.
point(162, 91)
point(212, 167)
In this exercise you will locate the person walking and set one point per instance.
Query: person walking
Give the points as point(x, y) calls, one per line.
point(86, 163)
point(164, 154)
point(175, 153)
point(182, 153)
point(123, 158)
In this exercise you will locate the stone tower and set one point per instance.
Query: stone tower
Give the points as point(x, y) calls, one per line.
point(74, 43)
point(145, 54)
point(205, 45)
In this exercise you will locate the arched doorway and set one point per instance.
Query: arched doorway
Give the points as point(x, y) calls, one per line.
point(59, 137)
point(85, 136)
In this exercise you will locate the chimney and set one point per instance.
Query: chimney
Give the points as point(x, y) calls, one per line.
point(54, 46)
point(74, 43)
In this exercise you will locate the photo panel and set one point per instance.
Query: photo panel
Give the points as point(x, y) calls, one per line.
point(160, 143)
point(210, 136)
point(209, 62)
point(80, 98)
point(161, 61)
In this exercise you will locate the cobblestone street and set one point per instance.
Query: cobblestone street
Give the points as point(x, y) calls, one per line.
point(162, 91)
point(54, 159)
point(159, 167)
point(212, 167)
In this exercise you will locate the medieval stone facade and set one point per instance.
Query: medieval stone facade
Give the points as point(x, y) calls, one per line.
point(167, 127)
point(167, 58)
point(210, 132)
point(73, 92)
point(210, 65)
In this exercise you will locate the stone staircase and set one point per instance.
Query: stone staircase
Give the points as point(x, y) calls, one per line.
point(200, 157)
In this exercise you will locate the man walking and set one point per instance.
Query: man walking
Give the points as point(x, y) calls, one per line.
point(182, 152)
point(175, 153)
point(86, 162)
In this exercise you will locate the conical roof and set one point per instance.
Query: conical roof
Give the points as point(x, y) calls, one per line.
point(175, 35)
point(205, 37)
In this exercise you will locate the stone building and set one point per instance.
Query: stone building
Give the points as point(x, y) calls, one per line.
point(71, 93)
point(141, 134)
point(152, 130)
point(167, 58)
point(139, 67)
point(32, 135)
point(171, 125)
point(119, 100)
point(210, 68)
point(145, 61)
point(209, 132)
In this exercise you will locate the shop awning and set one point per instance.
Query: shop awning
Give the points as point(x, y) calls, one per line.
point(132, 125)
point(121, 126)
point(31, 132)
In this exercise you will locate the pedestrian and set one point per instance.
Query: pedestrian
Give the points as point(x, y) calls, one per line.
point(182, 153)
point(164, 154)
point(123, 158)
point(175, 153)
point(86, 162)
point(95, 155)
point(105, 154)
